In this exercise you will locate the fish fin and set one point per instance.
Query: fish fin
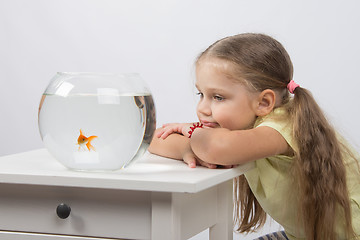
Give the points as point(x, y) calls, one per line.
point(91, 138)
point(81, 132)
point(89, 146)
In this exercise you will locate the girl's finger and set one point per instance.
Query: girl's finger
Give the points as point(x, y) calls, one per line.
point(163, 132)
point(190, 161)
point(166, 133)
point(159, 132)
point(169, 124)
point(208, 165)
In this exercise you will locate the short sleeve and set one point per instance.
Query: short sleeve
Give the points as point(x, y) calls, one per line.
point(281, 123)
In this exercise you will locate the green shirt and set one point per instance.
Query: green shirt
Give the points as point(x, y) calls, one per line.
point(271, 182)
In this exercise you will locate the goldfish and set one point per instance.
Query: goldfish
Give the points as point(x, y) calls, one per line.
point(82, 140)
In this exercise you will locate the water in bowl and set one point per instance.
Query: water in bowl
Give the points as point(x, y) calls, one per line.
point(94, 131)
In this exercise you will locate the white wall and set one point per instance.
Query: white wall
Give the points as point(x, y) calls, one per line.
point(160, 39)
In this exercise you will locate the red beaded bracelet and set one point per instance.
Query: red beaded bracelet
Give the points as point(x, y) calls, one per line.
point(197, 125)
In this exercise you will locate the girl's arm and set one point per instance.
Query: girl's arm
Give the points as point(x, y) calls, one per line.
point(176, 146)
point(226, 147)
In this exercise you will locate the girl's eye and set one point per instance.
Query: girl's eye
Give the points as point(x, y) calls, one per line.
point(218, 98)
point(200, 94)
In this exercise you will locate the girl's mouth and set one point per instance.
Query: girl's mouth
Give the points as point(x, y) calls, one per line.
point(207, 124)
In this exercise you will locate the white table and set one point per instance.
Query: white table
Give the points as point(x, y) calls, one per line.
point(155, 198)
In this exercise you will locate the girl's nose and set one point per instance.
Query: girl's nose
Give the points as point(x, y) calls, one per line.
point(203, 107)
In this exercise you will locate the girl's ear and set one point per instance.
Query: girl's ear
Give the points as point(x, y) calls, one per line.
point(265, 102)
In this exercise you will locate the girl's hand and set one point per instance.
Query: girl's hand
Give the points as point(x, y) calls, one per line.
point(170, 128)
point(191, 160)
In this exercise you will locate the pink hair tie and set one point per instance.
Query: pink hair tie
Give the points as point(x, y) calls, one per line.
point(292, 86)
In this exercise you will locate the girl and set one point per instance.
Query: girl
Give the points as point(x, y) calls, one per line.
point(250, 109)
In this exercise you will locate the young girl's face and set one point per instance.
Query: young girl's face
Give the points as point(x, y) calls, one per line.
point(224, 102)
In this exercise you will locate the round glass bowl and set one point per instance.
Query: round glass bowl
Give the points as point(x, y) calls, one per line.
point(96, 122)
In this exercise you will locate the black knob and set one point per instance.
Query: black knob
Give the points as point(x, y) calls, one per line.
point(63, 211)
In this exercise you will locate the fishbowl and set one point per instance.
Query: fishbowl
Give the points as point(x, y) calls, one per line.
point(96, 121)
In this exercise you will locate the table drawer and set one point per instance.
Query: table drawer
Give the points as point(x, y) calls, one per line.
point(94, 212)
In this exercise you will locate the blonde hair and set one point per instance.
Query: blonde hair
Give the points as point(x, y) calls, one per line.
point(318, 166)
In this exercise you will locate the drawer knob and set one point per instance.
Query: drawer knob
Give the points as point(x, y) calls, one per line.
point(63, 211)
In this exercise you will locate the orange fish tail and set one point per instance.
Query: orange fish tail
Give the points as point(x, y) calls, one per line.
point(88, 144)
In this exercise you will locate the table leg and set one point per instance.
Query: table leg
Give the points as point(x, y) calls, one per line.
point(178, 216)
point(223, 229)
point(162, 222)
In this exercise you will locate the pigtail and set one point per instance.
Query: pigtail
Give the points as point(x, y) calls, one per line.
point(248, 214)
point(319, 170)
